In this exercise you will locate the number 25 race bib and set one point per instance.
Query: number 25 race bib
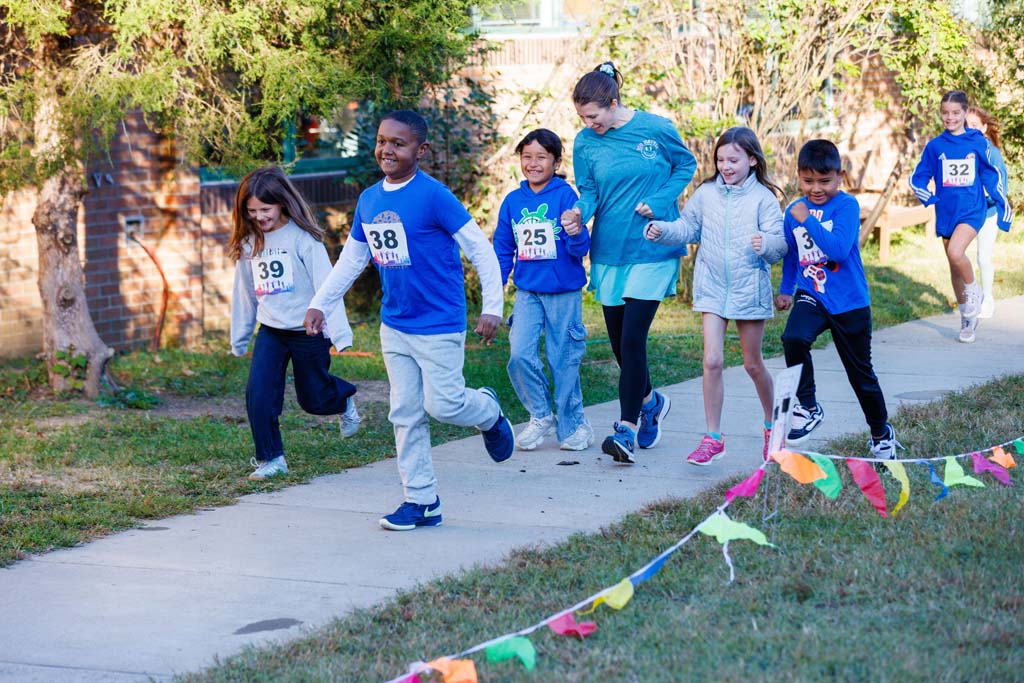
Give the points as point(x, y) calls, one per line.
point(272, 272)
point(536, 241)
point(958, 172)
point(388, 244)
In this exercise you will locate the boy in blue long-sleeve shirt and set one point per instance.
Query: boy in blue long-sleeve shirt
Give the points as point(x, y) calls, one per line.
point(823, 282)
point(547, 259)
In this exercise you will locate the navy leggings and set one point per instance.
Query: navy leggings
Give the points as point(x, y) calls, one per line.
point(628, 326)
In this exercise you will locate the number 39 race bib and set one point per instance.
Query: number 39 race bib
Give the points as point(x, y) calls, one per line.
point(272, 272)
point(388, 244)
point(958, 172)
point(536, 241)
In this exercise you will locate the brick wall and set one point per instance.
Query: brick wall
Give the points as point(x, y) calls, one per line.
point(20, 306)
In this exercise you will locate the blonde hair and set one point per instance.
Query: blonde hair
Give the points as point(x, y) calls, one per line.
point(271, 186)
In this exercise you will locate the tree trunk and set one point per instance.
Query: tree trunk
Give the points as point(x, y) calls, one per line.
point(68, 331)
point(868, 226)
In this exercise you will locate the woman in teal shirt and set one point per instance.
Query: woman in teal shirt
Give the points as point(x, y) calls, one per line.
point(630, 168)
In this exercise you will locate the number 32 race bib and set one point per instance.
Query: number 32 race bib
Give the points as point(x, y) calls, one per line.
point(958, 172)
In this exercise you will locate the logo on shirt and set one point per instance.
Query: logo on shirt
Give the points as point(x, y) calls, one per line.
point(648, 149)
point(535, 235)
point(533, 217)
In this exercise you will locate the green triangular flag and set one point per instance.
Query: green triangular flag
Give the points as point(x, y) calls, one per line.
point(1018, 446)
point(955, 475)
point(516, 646)
point(831, 485)
point(724, 529)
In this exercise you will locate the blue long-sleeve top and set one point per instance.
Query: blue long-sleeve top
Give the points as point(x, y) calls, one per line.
point(823, 258)
point(524, 207)
point(1000, 164)
point(643, 160)
point(962, 168)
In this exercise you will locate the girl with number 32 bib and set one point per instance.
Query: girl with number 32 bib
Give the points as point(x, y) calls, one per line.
point(280, 262)
point(960, 163)
point(549, 274)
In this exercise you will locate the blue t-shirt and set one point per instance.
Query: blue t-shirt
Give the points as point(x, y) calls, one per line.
point(531, 213)
point(824, 255)
point(410, 234)
point(644, 160)
point(961, 167)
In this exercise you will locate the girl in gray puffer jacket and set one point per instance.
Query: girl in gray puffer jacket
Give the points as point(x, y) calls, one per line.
point(736, 218)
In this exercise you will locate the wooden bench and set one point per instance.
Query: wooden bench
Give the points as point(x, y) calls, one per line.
point(892, 219)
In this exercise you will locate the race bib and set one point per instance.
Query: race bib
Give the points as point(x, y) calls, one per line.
point(806, 249)
point(388, 244)
point(272, 272)
point(536, 241)
point(958, 172)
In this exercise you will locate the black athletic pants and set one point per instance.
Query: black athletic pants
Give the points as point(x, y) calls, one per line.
point(851, 332)
point(628, 326)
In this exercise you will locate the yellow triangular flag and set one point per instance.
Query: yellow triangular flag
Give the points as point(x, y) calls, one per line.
point(900, 472)
point(615, 597)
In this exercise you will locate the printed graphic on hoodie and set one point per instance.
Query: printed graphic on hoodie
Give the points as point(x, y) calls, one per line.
point(535, 235)
point(813, 260)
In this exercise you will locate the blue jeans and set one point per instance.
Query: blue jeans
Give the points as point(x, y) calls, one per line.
point(560, 318)
point(318, 391)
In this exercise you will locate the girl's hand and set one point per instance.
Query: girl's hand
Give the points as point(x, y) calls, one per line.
point(783, 302)
point(571, 218)
point(757, 242)
point(313, 322)
point(572, 229)
point(644, 210)
point(652, 232)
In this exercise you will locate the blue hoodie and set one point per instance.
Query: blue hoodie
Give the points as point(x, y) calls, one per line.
point(963, 171)
point(522, 207)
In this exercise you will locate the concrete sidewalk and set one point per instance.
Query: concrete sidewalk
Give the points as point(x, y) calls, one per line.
point(171, 596)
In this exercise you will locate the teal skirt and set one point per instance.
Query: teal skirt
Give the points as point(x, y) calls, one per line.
point(648, 281)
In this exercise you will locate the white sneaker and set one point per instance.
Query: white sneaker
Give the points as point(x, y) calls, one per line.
point(349, 420)
point(884, 448)
point(267, 469)
point(580, 440)
point(973, 299)
point(533, 434)
point(967, 327)
point(988, 307)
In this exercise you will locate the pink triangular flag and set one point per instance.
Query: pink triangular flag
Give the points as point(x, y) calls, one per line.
point(868, 481)
point(983, 465)
point(566, 625)
point(747, 487)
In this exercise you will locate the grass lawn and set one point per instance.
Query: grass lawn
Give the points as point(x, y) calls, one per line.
point(71, 470)
point(930, 595)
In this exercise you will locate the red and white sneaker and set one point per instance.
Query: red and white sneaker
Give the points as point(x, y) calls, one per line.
point(709, 450)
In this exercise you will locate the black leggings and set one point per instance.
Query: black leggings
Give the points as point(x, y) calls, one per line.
point(628, 326)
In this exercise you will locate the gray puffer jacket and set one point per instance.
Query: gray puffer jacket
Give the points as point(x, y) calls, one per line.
point(729, 278)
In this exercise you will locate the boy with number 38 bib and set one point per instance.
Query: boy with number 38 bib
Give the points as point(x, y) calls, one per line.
point(412, 227)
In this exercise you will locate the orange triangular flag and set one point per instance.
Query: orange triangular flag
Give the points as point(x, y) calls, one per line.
point(455, 670)
point(1001, 457)
point(801, 468)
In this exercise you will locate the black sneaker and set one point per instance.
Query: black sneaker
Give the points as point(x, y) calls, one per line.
point(803, 422)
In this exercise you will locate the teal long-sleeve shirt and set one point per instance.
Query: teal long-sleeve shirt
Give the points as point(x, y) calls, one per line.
point(643, 160)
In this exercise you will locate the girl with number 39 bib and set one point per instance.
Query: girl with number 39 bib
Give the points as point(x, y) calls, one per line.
point(549, 274)
point(959, 161)
point(280, 262)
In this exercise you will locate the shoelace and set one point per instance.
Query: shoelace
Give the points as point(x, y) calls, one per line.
point(706, 444)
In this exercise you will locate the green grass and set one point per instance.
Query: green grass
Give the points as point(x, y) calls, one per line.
point(930, 595)
point(72, 470)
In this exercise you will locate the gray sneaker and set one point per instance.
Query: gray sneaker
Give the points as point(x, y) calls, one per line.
point(349, 420)
point(580, 440)
point(967, 328)
point(268, 468)
point(534, 433)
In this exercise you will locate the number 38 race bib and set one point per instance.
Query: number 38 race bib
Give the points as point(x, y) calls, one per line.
point(536, 241)
point(388, 244)
point(958, 172)
point(272, 272)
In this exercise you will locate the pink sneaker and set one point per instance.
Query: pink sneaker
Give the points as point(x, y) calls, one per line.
point(767, 437)
point(707, 452)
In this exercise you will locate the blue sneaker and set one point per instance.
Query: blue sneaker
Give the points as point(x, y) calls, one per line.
point(649, 433)
point(620, 444)
point(408, 516)
point(499, 440)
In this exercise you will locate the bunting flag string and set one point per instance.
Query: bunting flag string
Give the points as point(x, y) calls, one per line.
point(805, 467)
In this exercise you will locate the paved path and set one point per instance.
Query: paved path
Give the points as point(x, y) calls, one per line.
point(171, 596)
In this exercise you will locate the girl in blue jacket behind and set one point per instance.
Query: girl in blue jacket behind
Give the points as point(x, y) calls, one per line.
point(959, 161)
point(547, 260)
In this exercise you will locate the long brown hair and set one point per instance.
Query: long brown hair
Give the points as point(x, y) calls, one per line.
point(746, 139)
point(271, 186)
point(991, 124)
point(600, 86)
